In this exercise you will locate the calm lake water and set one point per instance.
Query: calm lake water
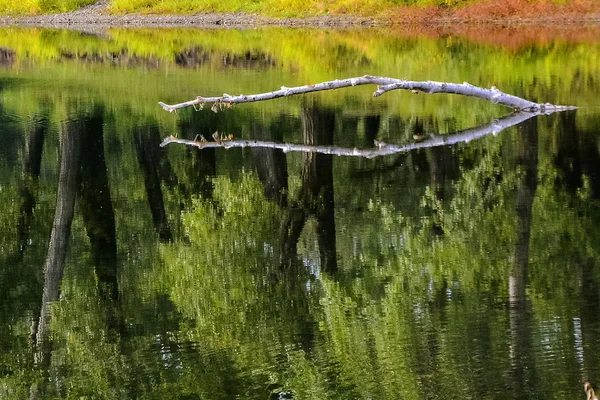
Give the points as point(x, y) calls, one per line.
point(130, 270)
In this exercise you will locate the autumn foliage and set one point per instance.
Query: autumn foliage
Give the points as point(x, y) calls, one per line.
point(507, 11)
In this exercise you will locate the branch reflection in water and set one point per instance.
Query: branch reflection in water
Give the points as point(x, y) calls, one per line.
point(382, 149)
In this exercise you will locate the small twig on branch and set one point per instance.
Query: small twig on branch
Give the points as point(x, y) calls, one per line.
point(382, 149)
point(384, 84)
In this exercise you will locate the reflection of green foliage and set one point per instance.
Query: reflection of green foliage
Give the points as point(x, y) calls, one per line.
point(8, 219)
point(225, 235)
point(555, 272)
point(84, 350)
point(296, 57)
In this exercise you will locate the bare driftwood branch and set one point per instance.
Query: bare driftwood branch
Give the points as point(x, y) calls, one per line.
point(384, 84)
point(589, 392)
point(382, 149)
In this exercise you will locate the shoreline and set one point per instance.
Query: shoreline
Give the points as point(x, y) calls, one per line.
point(96, 16)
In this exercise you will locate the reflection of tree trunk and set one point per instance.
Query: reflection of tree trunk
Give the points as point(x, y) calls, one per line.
point(317, 176)
point(568, 159)
point(271, 166)
point(317, 181)
point(372, 125)
point(61, 230)
point(150, 157)
point(437, 170)
point(578, 155)
point(524, 373)
point(200, 164)
point(289, 233)
point(591, 162)
point(316, 193)
point(437, 158)
point(97, 209)
point(31, 172)
point(326, 215)
point(202, 168)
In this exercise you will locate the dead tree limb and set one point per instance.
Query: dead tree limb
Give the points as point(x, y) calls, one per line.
point(384, 84)
point(381, 149)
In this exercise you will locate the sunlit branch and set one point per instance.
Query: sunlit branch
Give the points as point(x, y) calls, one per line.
point(384, 84)
point(382, 149)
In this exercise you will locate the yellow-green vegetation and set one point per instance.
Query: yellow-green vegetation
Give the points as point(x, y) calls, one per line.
point(274, 8)
point(34, 7)
point(285, 8)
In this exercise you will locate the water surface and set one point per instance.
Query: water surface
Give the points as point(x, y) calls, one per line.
point(128, 270)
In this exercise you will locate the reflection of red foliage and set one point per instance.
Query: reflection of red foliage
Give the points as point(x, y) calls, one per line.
point(503, 11)
point(523, 36)
point(508, 36)
point(516, 38)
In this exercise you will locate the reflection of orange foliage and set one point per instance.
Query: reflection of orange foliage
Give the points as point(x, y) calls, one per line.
point(513, 37)
point(516, 38)
point(538, 11)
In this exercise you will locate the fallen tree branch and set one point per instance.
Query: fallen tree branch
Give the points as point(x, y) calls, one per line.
point(382, 149)
point(384, 84)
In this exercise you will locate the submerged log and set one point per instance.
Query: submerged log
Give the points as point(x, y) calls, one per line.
point(384, 84)
point(381, 149)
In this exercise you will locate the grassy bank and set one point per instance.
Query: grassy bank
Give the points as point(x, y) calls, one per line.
point(394, 10)
point(34, 7)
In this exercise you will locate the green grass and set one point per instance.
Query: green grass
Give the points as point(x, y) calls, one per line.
point(282, 8)
point(180, 6)
point(33, 7)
